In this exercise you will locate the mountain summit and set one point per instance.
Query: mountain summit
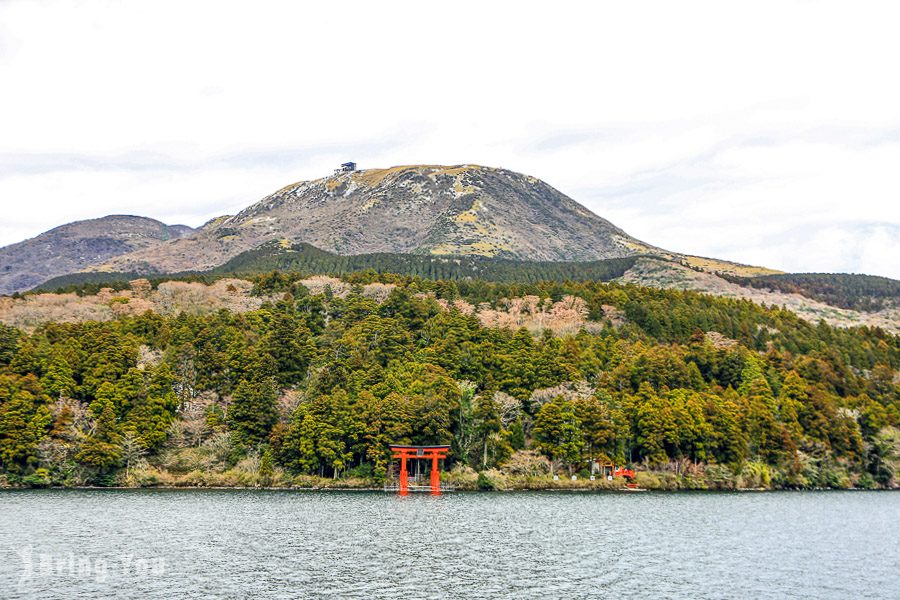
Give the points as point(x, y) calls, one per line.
point(421, 209)
point(79, 245)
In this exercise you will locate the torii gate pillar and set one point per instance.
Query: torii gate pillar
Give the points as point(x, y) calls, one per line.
point(435, 476)
point(404, 476)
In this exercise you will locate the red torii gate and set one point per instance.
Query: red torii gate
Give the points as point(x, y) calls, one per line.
point(435, 453)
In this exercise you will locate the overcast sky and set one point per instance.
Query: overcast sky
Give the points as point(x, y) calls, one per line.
point(766, 133)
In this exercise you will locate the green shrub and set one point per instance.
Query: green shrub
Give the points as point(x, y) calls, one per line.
point(691, 481)
point(107, 480)
point(485, 484)
point(147, 477)
point(720, 477)
point(755, 475)
point(39, 479)
point(461, 477)
point(647, 480)
point(835, 477)
point(866, 482)
point(363, 471)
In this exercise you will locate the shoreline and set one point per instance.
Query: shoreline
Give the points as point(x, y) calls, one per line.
point(467, 490)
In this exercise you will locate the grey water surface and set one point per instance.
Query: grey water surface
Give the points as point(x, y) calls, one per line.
point(292, 544)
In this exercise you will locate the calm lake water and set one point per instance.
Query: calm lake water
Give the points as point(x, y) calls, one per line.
point(287, 544)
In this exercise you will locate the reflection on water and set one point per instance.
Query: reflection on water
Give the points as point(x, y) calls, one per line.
point(285, 544)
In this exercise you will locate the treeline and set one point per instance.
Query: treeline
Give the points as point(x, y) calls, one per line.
point(321, 384)
point(90, 283)
point(866, 293)
point(304, 259)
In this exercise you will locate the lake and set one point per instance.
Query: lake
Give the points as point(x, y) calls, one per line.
point(288, 544)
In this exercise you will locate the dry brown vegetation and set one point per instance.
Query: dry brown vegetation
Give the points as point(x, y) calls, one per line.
point(319, 283)
point(570, 390)
point(171, 297)
point(567, 316)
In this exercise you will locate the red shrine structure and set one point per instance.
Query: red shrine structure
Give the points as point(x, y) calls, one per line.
point(406, 454)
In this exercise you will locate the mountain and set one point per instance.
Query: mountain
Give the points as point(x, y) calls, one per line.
point(446, 222)
point(76, 246)
point(420, 210)
point(438, 210)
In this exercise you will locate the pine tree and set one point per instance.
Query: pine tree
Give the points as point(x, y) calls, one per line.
point(759, 408)
point(266, 467)
point(792, 397)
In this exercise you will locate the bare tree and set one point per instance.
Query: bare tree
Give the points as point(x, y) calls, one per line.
point(132, 451)
point(510, 408)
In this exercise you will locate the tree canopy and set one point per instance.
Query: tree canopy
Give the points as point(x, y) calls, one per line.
point(321, 383)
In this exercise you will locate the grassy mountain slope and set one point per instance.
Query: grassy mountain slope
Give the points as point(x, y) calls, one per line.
point(462, 210)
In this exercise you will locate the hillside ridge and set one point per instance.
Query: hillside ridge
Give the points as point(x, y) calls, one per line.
point(78, 245)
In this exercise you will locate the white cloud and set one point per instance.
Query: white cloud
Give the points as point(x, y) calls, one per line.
point(766, 133)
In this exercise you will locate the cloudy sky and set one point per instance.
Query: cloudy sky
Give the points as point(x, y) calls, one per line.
point(766, 133)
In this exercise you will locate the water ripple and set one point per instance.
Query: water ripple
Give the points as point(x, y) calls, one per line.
point(280, 544)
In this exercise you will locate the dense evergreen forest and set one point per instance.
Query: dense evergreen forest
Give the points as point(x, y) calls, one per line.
point(304, 258)
point(691, 389)
point(857, 292)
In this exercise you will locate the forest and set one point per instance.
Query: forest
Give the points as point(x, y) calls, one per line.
point(866, 293)
point(307, 259)
point(523, 380)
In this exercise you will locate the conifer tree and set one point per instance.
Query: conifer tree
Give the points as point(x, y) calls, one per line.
point(102, 448)
point(59, 380)
point(252, 412)
point(557, 431)
point(488, 428)
point(24, 422)
point(9, 340)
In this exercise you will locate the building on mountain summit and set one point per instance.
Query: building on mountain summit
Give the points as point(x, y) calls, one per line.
point(347, 167)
